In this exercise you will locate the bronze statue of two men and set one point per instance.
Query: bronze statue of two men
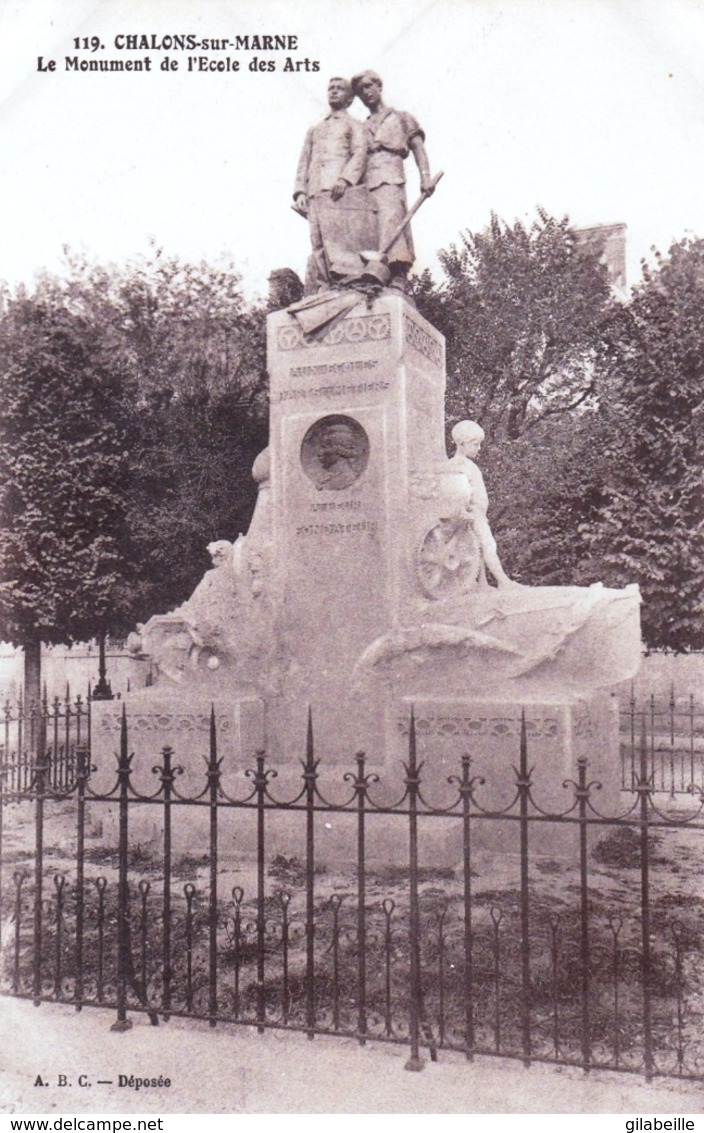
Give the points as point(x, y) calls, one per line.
point(350, 183)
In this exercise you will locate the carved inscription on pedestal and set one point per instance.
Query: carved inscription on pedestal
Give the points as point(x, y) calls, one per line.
point(296, 393)
point(362, 526)
point(421, 341)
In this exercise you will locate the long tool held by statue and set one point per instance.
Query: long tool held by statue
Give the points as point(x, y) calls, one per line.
point(376, 264)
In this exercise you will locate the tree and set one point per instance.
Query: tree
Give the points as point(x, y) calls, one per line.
point(132, 404)
point(177, 326)
point(545, 492)
point(522, 310)
point(650, 528)
point(65, 439)
point(195, 456)
point(194, 350)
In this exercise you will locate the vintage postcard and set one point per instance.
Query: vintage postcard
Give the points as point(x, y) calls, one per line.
point(363, 815)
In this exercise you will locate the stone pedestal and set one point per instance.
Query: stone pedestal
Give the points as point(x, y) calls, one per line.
point(560, 729)
point(356, 419)
point(161, 717)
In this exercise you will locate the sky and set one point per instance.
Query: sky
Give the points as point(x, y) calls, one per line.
point(591, 108)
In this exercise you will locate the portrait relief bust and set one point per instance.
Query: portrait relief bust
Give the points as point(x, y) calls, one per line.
point(335, 452)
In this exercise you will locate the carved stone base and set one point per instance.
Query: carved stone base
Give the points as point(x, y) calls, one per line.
point(181, 720)
point(559, 731)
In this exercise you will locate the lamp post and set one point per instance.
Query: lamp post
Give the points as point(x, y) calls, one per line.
point(102, 690)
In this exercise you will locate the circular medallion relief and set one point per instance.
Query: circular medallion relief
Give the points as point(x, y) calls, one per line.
point(449, 560)
point(335, 452)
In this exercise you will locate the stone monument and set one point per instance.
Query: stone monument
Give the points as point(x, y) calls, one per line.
point(330, 192)
point(369, 583)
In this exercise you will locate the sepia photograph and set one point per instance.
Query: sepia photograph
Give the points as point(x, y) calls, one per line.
point(351, 560)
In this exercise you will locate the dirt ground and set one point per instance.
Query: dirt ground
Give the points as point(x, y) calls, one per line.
point(233, 1069)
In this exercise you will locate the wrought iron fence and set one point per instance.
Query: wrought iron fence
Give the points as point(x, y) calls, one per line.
point(674, 731)
point(590, 962)
point(56, 728)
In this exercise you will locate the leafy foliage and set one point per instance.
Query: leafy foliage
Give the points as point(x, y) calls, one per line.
point(650, 529)
point(65, 439)
point(177, 327)
point(195, 352)
point(522, 310)
point(545, 491)
point(133, 405)
point(194, 486)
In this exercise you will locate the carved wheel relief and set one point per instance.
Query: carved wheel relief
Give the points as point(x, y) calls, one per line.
point(335, 452)
point(449, 560)
point(363, 328)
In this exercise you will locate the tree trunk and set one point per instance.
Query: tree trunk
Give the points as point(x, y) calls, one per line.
point(34, 729)
point(32, 673)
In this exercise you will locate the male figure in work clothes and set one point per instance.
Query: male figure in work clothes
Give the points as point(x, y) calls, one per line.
point(329, 193)
point(393, 134)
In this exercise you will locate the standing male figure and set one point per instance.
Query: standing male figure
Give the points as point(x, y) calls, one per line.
point(329, 193)
point(393, 134)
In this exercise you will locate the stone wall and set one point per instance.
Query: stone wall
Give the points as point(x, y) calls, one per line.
point(75, 665)
point(660, 672)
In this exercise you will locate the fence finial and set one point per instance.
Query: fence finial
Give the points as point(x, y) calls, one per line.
point(123, 737)
point(309, 739)
point(412, 749)
point(213, 737)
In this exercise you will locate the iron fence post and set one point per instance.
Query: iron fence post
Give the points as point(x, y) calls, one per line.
point(122, 1023)
point(652, 744)
point(632, 706)
point(523, 783)
point(691, 739)
point(582, 798)
point(644, 790)
point(466, 794)
point(19, 879)
point(214, 765)
point(67, 725)
point(412, 781)
point(309, 777)
point(23, 754)
point(285, 989)
point(40, 775)
point(260, 780)
point(672, 740)
point(360, 786)
point(60, 888)
point(167, 773)
point(82, 771)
